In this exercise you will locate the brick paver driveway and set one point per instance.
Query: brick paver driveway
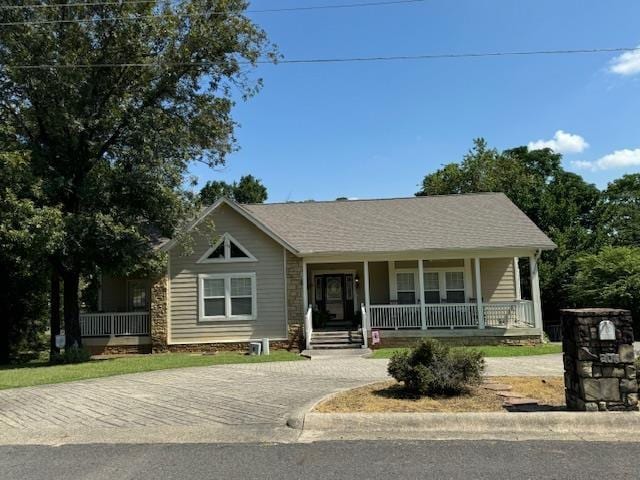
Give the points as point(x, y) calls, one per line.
point(221, 402)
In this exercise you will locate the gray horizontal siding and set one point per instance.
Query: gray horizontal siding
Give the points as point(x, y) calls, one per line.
point(185, 326)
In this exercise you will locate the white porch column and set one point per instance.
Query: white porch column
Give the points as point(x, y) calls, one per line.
point(423, 313)
point(366, 285)
point(535, 292)
point(468, 289)
point(516, 278)
point(393, 289)
point(305, 291)
point(479, 293)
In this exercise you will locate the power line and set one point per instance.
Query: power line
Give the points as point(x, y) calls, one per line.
point(75, 5)
point(198, 14)
point(335, 60)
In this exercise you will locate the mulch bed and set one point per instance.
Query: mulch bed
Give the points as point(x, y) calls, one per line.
point(495, 395)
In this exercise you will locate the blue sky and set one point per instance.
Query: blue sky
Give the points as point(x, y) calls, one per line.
point(368, 130)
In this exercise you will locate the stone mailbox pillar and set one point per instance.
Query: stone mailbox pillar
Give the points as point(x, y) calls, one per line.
point(599, 370)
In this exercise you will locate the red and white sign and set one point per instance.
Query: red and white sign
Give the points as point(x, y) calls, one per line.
point(375, 337)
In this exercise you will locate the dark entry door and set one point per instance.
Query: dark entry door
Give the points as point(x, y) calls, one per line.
point(334, 295)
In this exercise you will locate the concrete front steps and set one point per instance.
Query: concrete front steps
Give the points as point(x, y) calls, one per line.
point(336, 340)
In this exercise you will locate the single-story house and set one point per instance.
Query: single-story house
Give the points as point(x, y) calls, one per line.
point(331, 273)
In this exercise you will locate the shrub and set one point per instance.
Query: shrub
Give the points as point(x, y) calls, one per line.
point(71, 355)
point(432, 368)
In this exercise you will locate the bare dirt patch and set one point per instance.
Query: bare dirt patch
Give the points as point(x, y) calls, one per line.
point(391, 397)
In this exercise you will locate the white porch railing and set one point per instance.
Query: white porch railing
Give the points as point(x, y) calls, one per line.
point(308, 327)
point(517, 314)
point(114, 324)
point(451, 315)
point(394, 316)
point(509, 314)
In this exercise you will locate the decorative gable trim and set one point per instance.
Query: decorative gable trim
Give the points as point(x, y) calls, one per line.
point(226, 240)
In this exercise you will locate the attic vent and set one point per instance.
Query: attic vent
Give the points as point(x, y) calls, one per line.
point(227, 249)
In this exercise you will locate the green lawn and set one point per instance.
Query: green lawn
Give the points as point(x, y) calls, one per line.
point(38, 373)
point(490, 350)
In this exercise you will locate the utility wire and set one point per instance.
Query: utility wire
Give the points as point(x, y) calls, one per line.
point(74, 5)
point(197, 14)
point(333, 60)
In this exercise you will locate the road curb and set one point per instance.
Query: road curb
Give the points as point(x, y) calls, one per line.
point(490, 423)
point(297, 417)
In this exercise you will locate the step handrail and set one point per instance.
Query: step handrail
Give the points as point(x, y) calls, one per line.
point(308, 327)
point(363, 313)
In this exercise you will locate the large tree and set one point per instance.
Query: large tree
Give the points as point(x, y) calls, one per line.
point(113, 102)
point(561, 203)
point(248, 190)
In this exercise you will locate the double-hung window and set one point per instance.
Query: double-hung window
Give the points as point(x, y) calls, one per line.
point(227, 296)
point(431, 287)
point(454, 285)
point(444, 286)
point(406, 288)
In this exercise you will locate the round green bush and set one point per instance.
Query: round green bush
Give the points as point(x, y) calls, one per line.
point(432, 368)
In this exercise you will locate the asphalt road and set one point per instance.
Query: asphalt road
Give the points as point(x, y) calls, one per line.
point(440, 460)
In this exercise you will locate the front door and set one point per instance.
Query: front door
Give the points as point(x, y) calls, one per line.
point(334, 296)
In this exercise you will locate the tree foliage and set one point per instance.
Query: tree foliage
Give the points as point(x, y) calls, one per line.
point(111, 144)
point(561, 203)
point(248, 190)
point(609, 278)
point(619, 211)
point(28, 235)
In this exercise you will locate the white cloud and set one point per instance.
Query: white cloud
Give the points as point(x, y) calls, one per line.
point(562, 142)
point(618, 159)
point(626, 64)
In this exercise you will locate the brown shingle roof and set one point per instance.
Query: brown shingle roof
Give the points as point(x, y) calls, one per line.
point(472, 221)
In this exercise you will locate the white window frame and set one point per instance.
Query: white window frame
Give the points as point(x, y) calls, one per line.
point(227, 297)
point(442, 279)
point(226, 239)
point(416, 283)
point(443, 283)
point(432, 290)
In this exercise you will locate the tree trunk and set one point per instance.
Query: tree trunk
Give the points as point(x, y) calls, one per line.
point(55, 311)
point(5, 347)
point(72, 309)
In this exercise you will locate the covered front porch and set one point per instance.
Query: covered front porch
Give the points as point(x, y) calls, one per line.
point(474, 296)
point(122, 320)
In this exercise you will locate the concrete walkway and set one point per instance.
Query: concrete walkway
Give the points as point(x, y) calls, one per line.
point(225, 403)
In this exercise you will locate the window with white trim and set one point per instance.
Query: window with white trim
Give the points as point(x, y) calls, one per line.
point(431, 287)
point(406, 288)
point(227, 296)
point(444, 286)
point(454, 286)
point(227, 249)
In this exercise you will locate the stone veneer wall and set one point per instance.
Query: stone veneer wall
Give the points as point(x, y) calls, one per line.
point(159, 307)
point(295, 309)
point(118, 349)
point(599, 374)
